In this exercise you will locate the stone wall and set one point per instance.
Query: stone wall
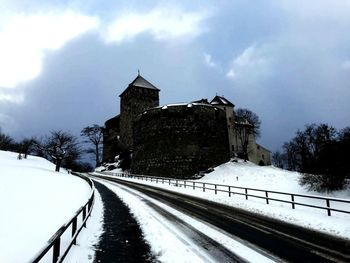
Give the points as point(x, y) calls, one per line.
point(134, 101)
point(110, 139)
point(180, 140)
point(260, 155)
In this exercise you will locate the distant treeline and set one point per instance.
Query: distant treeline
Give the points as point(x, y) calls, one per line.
point(321, 153)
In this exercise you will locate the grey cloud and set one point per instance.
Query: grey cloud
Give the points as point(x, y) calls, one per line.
point(305, 83)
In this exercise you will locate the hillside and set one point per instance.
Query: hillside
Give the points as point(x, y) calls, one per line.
point(247, 174)
point(35, 202)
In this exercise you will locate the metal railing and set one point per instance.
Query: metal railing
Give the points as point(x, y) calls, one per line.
point(245, 191)
point(55, 241)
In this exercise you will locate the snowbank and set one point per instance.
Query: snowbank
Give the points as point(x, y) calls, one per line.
point(35, 201)
point(247, 174)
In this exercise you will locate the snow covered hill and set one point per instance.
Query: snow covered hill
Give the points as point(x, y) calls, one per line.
point(35, 201)
point(247, 174)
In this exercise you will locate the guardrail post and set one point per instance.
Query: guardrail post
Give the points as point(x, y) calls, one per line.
point(56, 249)
point(74, 229)
point(267, 197)
point(157, 180)
point(184, 184)
point(229, 191)
point(193, 185)
point(169, 181)
point(162, 180)
point(84, 215)
point(328, 205)
point(203, 187)
point(293, 205)
point(216, 189)
point(246, 193)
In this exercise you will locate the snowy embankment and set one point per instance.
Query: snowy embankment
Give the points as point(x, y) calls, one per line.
point(273, 179)
point(35, 201)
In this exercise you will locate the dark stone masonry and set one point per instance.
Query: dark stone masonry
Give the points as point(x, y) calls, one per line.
point(139, 96)
point(180, 140)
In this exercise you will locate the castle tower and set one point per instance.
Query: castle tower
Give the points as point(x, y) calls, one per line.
point(228, 107)
point(139, 96)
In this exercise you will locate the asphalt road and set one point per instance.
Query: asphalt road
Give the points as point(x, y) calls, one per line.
point(122, 239)
point(272, 237)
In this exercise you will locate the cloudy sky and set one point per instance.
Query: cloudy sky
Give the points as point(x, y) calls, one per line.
point(64, 63)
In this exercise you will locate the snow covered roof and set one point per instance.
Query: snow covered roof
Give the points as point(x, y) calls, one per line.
point(221, 101)
point(140, 82)
point(189, 105)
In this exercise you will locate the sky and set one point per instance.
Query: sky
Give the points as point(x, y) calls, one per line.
point(64, 63)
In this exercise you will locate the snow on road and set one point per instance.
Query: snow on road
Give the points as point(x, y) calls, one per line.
point(269, 178)
point(35, 202)
point(167, 241)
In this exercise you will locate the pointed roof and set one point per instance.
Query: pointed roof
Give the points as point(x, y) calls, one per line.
point(140, 82)
point(221, 101)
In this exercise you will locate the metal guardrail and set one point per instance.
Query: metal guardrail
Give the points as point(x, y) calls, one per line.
point(55, 241)
point(230, 189)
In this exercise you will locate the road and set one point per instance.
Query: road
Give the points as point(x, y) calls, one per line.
point(275, 239)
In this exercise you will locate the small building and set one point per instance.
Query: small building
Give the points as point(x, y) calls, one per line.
point(256, 153)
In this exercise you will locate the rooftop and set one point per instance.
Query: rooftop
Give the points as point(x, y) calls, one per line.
point(141, 82)
point(221, 101)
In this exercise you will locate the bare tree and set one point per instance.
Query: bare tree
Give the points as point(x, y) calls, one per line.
point(247, 124)
point(291, 156)
point(94, 136)
point(278, 159)
point(6, 142)
point(62, 147)
point(26, 145)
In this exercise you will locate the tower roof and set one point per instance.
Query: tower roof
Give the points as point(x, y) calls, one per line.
point(221, 101)
point(140, 82)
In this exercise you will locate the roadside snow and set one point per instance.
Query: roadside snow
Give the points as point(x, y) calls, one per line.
point(35, 202)
point(269, 178)
point(89, 237)
point(167, 241)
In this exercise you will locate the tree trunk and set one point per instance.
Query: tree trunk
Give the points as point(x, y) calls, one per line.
point(97, 156)
point(58, 165)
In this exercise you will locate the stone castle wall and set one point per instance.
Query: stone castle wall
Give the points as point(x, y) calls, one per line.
point(134, 101)
point(180, 140)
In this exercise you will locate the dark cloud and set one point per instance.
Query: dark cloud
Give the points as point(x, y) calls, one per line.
point(81, 82)
point(289, 64)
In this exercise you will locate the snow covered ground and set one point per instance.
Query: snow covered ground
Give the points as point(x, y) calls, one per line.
point(89, 237)
point(35, 201)
point(275, 179)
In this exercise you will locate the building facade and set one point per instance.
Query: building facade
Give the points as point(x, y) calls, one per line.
point(175, 140)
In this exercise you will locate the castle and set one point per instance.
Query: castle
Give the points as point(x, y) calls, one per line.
point(175, 140)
